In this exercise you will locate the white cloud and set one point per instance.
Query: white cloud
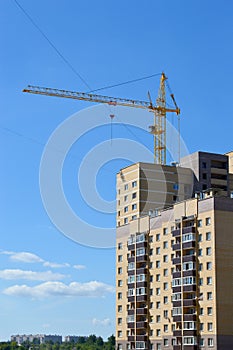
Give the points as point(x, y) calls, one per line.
point(27, 257)
point(104, 322)
point(49, 289)
point(79, 267)
point(13, 274)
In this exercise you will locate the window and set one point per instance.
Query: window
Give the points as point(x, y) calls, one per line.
point(209, 296)
point(134, 206)
point(126, 187)
point(200, 267)
point(134, 184)
point(158, 346)
point(189, 280)
point(204, 165)
point(120, 258)
point(126, 221)
point(165, 231)
point(210, 342)
point(208, 236)
point(126, 209)
point(201, 326)
point(158, 237)
point(134, 217)
point(120, 283)
point(209, 265)
point(208, 221)
point(165, 300)
point(165, 272)
point(189, 325)
point(200, 237)
point(165, 245)
point(119, 333)
point(119, 270)
point(201, 311)
point(165, 342)
point(165, 286)
point(209, 280)
point(125, 198)
point(210, 326)
point(120, 246)
point(158, 304)
point(131, 266)
point(165, 328)
point(209, 311)
point(201, 281)
point(158, 291)
point(208, 251)
point(204, 176)
point(134, 195)
point(119, 347)
point(119, 213)
point(151, 278)
point(165, 314)
point(165, 258)
point(151, 291)
point(158, 332)
point(158, 263)
point(151, 305)
point(200, 252)
point(189, 340)
point(201, 342)
point(158, 250)
point(119, 320)
point(119, 296)
point(119, 308)
point(158, 318)
point(151, 332)
point(157, 277)
point(199, 223)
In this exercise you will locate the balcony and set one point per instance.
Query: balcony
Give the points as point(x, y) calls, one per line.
point(141, 338)
point(176, 246)
point(189, 302)
point(131, 246)
point(141, 258)
point(189, 273)
point(176, 289)
point(141, 245)
point(177, 333)
point(189, 288)
point(141, 324)
point(131, 259)
point(177, 347)
point(175, 233)
point(141, 284)
point(141, 311)
point(141, 271)
point(177, 318)
point(131, 338)
point(176, 274)
point(176, 303)
point(176, 261)
point(190, 332)
point(131, 285)
point(141, 298)
point(188, 245)
point(189, 258)
point(131, 272)
point(191, 317)
point(131, 299)
point(131, 311)
point(131, 325)
point(189, 229)
point(190, 347)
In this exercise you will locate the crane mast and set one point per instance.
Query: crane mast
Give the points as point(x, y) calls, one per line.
point(158, 129)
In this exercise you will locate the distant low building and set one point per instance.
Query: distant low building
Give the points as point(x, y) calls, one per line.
point(40, 338)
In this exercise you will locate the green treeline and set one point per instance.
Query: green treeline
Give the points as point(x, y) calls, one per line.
point(92, 342)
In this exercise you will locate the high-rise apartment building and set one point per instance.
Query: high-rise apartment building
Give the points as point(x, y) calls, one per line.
point(174, 270)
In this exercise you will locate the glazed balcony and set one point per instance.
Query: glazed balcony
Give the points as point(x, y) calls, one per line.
point(131, 272)
point(141, 271)
point(131, 312)
point(131, 246)
point(141, 298)
point(141, 258)
point(141, 245)
point(131, 259)
point(176, 233)
point(131, 299)
point(141, 284)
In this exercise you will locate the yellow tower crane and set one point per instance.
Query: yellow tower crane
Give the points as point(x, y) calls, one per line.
point(159, 110)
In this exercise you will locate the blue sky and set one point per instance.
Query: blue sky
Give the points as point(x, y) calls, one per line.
point(49, 283)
